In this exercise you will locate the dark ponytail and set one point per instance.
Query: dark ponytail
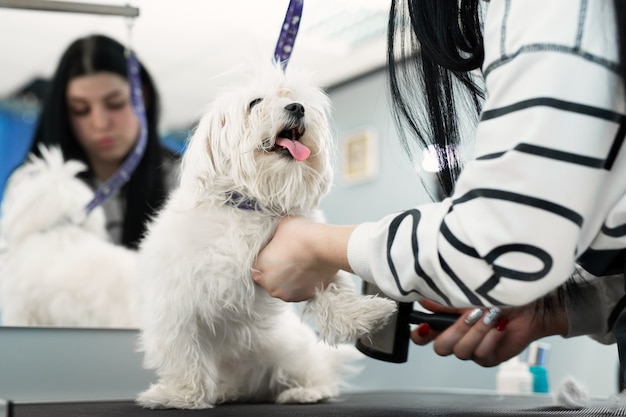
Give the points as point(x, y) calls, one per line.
point(447, 37)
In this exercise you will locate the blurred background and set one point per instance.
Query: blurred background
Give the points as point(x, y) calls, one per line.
point(192, 48)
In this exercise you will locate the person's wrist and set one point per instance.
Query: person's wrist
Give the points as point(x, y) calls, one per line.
point(553, 323)
point(308, 244)
point(329, 244)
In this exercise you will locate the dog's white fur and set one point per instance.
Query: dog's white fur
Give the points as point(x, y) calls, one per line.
point(212, 335)
point(54, 271)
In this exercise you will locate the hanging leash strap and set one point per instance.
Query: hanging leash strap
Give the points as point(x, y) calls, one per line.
point(122, 175)
point(282, 53)
point(288, 32)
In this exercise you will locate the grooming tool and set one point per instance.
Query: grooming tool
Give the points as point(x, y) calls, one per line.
point(391, 343)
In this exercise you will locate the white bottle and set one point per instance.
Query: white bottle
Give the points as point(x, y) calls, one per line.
point(514, 377)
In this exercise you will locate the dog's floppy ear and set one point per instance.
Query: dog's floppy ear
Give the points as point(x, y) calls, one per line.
point(198, 163)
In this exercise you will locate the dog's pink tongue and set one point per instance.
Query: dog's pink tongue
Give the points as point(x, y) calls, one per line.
point(295, 148)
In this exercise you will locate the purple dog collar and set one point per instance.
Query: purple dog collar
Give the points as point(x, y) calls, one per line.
point(237, 200)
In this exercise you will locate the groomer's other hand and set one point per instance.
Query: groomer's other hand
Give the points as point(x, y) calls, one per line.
point(301, 257)
point(489, 336)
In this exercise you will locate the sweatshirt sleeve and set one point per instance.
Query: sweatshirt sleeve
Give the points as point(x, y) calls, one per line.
point(546, 175)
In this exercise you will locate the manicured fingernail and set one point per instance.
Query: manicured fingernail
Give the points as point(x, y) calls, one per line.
point(423, 330)
point(491, 316)
point(473, 316)
point(501, 324)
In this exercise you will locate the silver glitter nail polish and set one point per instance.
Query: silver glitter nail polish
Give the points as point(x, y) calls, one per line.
point(492, 316)
point(473, 316)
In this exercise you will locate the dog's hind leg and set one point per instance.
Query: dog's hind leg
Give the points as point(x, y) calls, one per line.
point(317, 374)
point(306, 395)
point(342, 314)
point(307, 380)
point(186, 371)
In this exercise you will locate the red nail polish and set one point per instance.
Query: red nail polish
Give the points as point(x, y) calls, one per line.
point(423, 330)
point(501, 324)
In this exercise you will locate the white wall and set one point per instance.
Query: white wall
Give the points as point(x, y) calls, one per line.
point(364, 104)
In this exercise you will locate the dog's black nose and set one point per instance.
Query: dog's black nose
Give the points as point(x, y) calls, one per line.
point(296, 110)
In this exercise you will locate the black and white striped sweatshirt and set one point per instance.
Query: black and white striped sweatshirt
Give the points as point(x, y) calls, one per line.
point(547, 187)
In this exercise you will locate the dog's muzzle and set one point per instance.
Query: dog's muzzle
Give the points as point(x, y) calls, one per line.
point(295, 110)
point(289, 137)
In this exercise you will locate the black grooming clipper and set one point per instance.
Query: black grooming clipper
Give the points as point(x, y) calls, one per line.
point(391, 342)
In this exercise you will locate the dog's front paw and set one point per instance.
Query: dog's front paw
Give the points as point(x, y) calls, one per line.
point(348, 316)
point(305, 395)
point(379, 312)
point(160, 396)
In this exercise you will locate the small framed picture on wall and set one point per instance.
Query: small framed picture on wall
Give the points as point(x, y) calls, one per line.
point(359, 150)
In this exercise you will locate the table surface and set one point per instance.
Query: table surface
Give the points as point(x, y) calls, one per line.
point(360, 404)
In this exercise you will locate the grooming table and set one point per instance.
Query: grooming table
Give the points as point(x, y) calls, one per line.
point(358, 404)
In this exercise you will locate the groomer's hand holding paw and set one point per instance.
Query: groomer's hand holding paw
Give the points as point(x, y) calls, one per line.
point(301, 257)
point(489, 336)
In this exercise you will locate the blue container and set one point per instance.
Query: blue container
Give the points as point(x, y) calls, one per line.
point(540, 378)
point(537, 360)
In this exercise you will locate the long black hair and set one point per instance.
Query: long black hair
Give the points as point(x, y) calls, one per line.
point(145, 191)
point(434, 48)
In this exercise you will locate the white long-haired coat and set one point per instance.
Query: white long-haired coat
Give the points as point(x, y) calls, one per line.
point(59, 271)
point(261, 152)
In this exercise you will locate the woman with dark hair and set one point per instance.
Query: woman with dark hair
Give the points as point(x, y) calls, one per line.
point(88, 113)
point(536, 218)
point(451, 89)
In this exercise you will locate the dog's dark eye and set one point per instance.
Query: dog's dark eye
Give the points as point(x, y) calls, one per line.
point(255, 102)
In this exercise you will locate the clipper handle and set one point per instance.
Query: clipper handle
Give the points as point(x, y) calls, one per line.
point(436, 321)
point(391, 342)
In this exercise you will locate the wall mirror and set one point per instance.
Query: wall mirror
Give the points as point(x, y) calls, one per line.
point(191, 47)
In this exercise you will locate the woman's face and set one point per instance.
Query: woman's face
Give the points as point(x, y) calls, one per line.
point(102, 116)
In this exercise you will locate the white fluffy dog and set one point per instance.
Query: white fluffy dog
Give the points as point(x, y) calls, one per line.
point(55, 271)
point(213, 336)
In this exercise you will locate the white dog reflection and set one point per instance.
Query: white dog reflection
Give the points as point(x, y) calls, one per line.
point(54, 271)
point(212, 335)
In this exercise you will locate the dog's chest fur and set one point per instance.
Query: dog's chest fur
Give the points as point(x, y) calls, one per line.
point(214, 253)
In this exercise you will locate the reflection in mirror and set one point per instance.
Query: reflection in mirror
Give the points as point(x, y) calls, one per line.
point(337, 41)
point(60, 271)
point(5, 408)
point(96, 173)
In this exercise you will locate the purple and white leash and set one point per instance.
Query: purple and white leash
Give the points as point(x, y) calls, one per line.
point(122, 175)
point(282, 53)
point(284, 47)
point(288, 32)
